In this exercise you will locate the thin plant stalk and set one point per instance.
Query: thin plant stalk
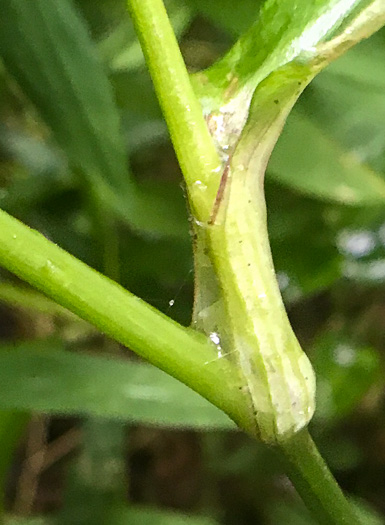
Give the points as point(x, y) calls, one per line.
point(314, 482)
point(195, 149)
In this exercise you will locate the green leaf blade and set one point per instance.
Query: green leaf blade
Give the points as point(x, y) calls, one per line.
point(61, 382)
point(307, 159)
point(58, 68)
point(46, 47)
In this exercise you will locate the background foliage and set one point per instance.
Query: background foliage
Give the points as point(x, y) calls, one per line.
point(114, 440)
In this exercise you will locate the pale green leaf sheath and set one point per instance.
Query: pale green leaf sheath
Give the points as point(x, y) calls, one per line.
point(274, 373)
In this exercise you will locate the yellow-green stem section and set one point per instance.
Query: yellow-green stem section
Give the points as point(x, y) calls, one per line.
point(193, 144)
point(276, 374)
point(315, 484)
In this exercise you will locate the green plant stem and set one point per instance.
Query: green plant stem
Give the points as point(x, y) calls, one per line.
point(182, 352)
point(192, 141)
point(315, 483)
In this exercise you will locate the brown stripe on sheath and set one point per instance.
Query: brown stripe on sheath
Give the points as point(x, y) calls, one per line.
point(220, 192)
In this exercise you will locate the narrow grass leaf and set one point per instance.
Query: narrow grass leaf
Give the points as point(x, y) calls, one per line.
point(308, 159)
point(61, 382)
point(148, 516)
point(46, 47)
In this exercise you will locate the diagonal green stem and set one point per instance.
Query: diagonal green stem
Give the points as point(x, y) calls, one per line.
point(179, 351)
point(315, 483)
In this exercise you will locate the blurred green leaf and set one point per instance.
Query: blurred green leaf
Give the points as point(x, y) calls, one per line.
point(111, 27)
point(143, 516)
point(12, 426)
point(17, 520)
point(221, 13)
point(58, 69)
point(302, 267)
point(61, 382)
point(97, 481)
point(294, 513)
point(362, 244)
point(38, 170)
point(290, 514)
point(340, 242)
point(333, 145)
point(120, 48)
point(345, 372)
point(46, 47)
point(142, 118)
point(347, 101)
point(36, 155)
point(308, 159)
point(131, 516)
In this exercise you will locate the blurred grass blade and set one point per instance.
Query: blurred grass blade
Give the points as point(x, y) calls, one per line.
point(345, 373)
point(12, 426)
point(221, 13)
point(147, 516)
point(97, 482)
point(294, 513)
point(309, 160)
point(65, 383)
point(130, 516)
point(28, 298)
point(17, 520)
point(46, 48)
point(121, 50)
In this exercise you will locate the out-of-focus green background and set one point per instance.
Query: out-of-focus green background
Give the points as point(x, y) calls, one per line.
point(110, 439)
